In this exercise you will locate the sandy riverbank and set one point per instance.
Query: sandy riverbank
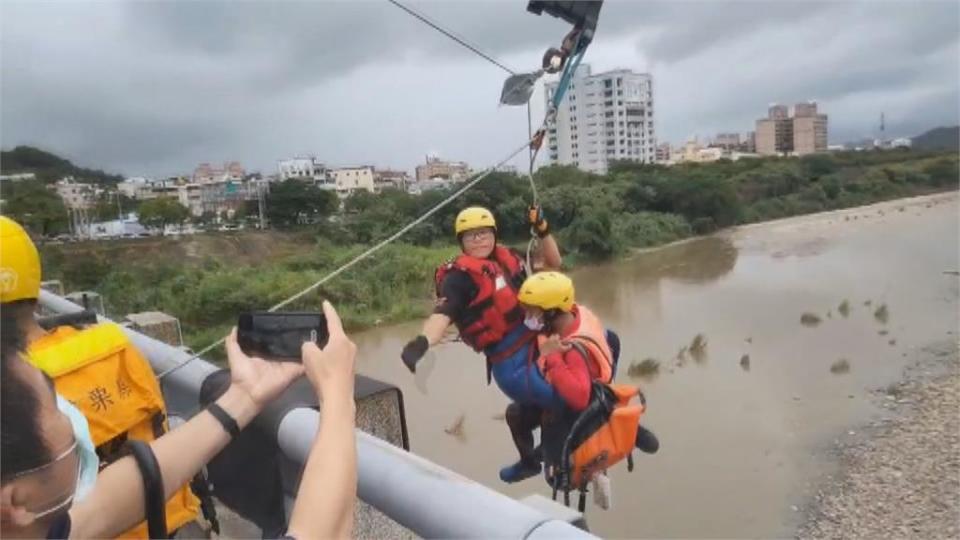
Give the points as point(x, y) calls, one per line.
point(900, 478)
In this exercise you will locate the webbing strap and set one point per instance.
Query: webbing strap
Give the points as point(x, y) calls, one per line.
point(153, 498)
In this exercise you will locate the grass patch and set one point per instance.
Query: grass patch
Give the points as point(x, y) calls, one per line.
point(681, 356)
point(840, 367)
point(698, 348)
point(882, 314)
point(648, 368)
point(810, 319)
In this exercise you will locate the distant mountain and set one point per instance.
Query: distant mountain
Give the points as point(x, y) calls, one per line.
point(50, 167)
point(941, 138)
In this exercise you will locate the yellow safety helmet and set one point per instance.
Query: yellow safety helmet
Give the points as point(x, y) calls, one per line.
point(547, 290)
point(475, 217)
point(19, 263)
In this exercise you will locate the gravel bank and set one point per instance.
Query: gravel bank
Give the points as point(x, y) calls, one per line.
point(902, 478)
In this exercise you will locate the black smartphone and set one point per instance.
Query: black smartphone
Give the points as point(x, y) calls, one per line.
point(279, 335)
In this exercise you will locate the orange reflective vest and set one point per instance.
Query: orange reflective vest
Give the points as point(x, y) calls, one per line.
point(591, 340)
point(111, 383)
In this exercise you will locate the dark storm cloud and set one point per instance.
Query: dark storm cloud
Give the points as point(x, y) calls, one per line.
point(155, 87)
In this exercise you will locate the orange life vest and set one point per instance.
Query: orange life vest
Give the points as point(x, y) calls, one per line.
point(495, 310)
point(596, 439)
point(591, 340)
point(612, 442)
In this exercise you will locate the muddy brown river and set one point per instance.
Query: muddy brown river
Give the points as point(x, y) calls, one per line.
point(742, 446)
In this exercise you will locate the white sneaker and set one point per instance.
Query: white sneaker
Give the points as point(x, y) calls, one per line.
point(602, 491)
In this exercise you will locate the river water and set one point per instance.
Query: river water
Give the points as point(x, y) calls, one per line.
point(741, 446)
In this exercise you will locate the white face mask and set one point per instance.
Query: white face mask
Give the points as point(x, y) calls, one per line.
point(533, 323)
point(89, 460)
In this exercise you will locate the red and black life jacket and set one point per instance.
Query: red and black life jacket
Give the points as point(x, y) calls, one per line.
point(495, 309)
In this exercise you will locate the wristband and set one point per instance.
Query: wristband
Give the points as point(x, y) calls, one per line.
point(227, 421)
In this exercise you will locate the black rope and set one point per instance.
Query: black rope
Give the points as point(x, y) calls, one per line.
point(452, 36)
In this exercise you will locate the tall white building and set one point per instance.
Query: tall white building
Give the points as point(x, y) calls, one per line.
point(603, 117)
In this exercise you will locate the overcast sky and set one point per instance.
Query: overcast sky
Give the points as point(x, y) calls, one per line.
point(154, 88)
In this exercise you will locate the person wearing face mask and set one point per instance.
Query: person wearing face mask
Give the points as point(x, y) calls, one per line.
point(572, 351)
point(43, 493)
point(19, 289)
point(105, 386)
point(477, 292)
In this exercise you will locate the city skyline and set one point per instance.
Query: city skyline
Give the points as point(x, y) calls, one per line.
point(161, 87)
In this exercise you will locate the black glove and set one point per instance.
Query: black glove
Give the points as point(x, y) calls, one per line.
point(414, 351)
point(537, 222)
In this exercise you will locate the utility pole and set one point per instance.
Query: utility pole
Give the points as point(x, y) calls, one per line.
point(261, 205)
point(530, 137)
point(70, 228)
point(85, 223)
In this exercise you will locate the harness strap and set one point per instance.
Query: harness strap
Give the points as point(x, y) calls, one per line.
point(583, 351)
point(513, 348)
point(580, 348)
point(152, 488)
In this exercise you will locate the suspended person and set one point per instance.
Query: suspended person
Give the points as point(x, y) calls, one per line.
point(477, 292)
point(573, 351)
point(105, 386)
point(41, 456)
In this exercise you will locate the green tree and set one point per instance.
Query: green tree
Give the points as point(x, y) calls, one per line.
point(361, 201)
point(107, 208)
point(34, 206)
point(943, 172)
point(831, 186)
point(206, 218)
point(641, 195)
point(86, 273)
point(49, 167)
point(163, 211)
point(592, 235)
point(817, 165)
point(295, 202)
point(700, 199)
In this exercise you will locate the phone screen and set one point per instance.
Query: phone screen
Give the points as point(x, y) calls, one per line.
point(279, 335)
